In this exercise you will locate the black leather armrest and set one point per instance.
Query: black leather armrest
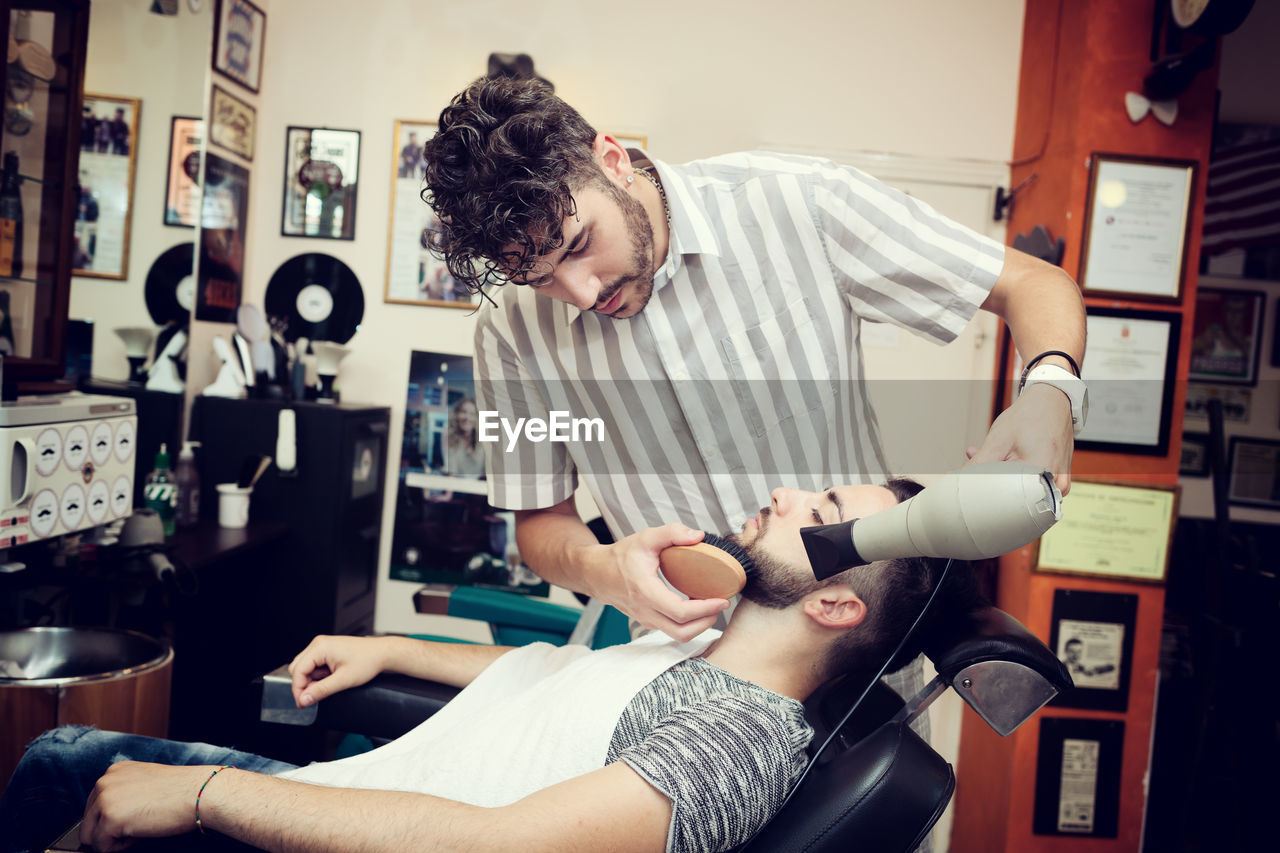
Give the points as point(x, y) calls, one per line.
point(385, 708)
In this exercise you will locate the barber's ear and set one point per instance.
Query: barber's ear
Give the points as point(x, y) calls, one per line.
point(612, 157)
point(835, 607)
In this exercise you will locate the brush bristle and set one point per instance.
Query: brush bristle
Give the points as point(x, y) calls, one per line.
point(733, 550)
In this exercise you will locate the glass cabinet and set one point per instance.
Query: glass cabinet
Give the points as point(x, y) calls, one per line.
point(43, 84)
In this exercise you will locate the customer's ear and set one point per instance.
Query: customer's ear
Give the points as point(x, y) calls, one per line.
point(835, 607)
point(612, 157)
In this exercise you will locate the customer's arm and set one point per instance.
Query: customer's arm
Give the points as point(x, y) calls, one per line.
point(1044, 311)
point(609, 809)
point(331, 664)
point(556, 544)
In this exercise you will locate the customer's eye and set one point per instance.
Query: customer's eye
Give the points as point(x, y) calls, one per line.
point(817, 516)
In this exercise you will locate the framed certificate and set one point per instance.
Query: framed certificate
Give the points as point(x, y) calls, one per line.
point(1253, 472)
point(1078, 765)
point(1136, 224)
point(1130, 371)
point(1111, 529)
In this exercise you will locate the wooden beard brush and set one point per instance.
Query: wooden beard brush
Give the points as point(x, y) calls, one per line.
point(713, 568)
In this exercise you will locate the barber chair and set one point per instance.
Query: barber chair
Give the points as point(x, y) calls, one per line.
point(879, 787)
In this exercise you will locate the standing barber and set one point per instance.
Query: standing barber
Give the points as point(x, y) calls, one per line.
point(711, 312)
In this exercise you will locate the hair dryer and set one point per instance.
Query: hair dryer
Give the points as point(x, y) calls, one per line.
point(980, 511)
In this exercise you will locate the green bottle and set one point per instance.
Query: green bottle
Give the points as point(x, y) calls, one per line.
point(161, 491)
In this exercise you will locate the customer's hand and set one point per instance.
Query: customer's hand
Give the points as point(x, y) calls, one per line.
point(632, 584)
point(1035, 429)
point(134, 800)
point(329, 665)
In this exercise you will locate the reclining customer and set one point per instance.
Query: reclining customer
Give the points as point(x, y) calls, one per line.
point(649, 746)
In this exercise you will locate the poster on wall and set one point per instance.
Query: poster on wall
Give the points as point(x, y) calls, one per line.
point(1092, 635)
point(239, 33)
point(1078, 777)
point(108, 153)
point(321, 174)
point(224, 213)
point(182, 190)
point(445, 531)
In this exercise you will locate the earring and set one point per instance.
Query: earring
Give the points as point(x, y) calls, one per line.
point(630, 179)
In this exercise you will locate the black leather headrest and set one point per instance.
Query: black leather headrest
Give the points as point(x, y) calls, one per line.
point(988, 633)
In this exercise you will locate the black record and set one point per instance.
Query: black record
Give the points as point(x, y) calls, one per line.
point(315, 296)
point(170, 289)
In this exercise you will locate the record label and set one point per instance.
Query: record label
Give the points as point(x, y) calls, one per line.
point(315, 296)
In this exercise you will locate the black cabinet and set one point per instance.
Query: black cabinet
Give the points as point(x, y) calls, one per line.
point(331, 504)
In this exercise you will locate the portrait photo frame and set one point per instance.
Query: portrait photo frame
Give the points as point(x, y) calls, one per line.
point(239, 33)
point(1112, 529)
point(1092, 633)
point(182, 187)
point(1130, 372)
point(1226, 335)
point(1253, 472)
point(108, 162)
point(232, 123)
point(321, 177)
point(415, 276)
point(1137, 226)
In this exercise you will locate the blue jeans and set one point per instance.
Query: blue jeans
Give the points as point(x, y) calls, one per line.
point(48, 790)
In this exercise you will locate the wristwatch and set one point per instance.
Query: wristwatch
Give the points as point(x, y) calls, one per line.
point(1066, 382)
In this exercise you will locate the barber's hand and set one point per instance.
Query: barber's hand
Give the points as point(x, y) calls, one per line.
point(134, 800)
point(1035, 429)
point(329, 665)
point(632, 584)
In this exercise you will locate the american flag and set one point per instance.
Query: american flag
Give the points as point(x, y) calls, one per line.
point(1242, 204)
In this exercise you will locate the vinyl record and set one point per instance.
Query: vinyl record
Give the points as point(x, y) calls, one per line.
point(170, 289)
point(315, 296)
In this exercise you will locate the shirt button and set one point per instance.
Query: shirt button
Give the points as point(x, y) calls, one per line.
point(713, 451)
point(679, 374)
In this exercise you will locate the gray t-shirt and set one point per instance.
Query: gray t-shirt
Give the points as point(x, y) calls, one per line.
point(724, 751)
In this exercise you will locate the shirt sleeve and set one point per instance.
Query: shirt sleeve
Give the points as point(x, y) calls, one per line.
point(521, 474)
point(897, 259)
point(726, 765)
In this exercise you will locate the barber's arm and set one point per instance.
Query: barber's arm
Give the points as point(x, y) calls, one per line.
point(332, 664)
point(609, 809)
point(1044, 311)
point(556, 544)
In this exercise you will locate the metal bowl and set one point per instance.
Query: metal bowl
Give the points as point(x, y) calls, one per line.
point(38, 657)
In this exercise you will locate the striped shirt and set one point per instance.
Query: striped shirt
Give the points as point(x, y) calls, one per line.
point(744, 371)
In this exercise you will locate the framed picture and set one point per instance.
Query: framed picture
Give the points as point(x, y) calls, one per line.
point(1092, 634)
point(223, 225)
point(1136, 226)
point(239, 31)
point(1237, 403)
point(321, 172)
point(182, 189)
point(1194, 461)
point(1078, 763)
point(1253, 472)
point(108, 156)
point(1130, 371)
point(1226, 336)
point(414, 275)
point(232, 123)
point(1111, 529)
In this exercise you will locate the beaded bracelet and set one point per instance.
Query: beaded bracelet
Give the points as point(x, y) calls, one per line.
point(216, 771)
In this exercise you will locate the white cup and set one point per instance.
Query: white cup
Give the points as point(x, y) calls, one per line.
point(233, 505)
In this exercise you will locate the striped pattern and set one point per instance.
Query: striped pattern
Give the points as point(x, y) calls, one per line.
point(744, 372)
point(723, 750)
point(1242, 202)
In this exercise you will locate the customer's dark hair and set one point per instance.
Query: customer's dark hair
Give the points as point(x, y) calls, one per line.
point(894, 592)
point(501, 172)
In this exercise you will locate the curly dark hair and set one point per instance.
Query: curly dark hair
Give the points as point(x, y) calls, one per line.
point(501, 172)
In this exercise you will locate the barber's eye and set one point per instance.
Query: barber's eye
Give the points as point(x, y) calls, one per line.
point(586, 244)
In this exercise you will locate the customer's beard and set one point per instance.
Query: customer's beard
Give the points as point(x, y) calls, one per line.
point(636, 222)
point(774, 583)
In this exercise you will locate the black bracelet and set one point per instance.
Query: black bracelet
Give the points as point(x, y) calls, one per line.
point(1031, 364)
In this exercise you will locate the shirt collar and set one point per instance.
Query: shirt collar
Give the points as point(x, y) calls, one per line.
point(690, 233)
